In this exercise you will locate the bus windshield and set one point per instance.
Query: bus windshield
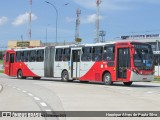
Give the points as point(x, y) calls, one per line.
point(143, 57)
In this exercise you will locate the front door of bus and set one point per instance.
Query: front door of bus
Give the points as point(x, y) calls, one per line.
point(123, 63)
point(75, 64)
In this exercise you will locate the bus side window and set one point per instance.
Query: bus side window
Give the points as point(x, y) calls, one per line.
point(108, 53)
point(25, 57)
point(40, 55)
point(87, 54)
point(32, 56)
point(22, 56)
point(97, 53)
point(59, 53)
point(66, 54)
point(18, 56)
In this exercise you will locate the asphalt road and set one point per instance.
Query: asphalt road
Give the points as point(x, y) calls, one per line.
point(54, 95)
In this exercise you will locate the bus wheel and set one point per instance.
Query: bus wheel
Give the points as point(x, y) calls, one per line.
point(107, 79)
point(20, 75)
point(65, 76)
point(127, 83)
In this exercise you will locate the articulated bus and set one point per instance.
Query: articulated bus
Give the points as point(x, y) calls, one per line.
point(125, 62)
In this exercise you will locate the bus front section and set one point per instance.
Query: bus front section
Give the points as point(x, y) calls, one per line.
point(142, 63)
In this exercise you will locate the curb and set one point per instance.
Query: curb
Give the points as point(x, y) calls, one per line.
point(1, 88)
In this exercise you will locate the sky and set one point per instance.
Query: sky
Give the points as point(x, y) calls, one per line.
point(117, 18)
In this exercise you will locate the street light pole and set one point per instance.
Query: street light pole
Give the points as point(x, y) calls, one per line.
point(56, 17)
point(46, 35)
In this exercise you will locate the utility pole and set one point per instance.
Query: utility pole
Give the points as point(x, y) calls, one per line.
point(102, 33)
point(78, 12)
point(98, 2)
point(22, 41)
point(157, 49)
point(30, 19)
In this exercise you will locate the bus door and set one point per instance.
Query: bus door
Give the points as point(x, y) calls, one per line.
point(12, 56)
point(123, 63)
point(9, 63)
point(75, 63)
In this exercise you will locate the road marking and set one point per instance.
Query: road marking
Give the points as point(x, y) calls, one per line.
point(24, 91)
point(36, 98)
point(119, 88)
point(149, 92)
point(30, 94)
point(128, 89)
point(18, 89)
point(48, 110)
point(43, 104)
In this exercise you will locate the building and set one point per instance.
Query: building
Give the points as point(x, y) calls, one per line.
point(14, 44)
point(154, 40)
point(58, 44)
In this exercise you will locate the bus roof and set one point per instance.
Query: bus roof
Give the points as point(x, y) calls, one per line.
point(81, 45)
point(36, 48)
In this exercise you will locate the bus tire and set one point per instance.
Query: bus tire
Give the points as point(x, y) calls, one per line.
point(65, 76)
point(20, 75)
point(84, 81)
point(127, 83)
point(107, 79)
point(36, 78)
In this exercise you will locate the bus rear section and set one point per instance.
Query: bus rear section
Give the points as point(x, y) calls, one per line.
point(25, 63)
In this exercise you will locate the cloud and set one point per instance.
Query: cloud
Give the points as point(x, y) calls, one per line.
point(85, 19)
point(91, 19)
point(113, 4)
point(3, 20)
point(23, 19)
point(105, 4)
point(69, 19)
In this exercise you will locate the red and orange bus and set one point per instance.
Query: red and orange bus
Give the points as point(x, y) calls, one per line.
point(125, 62)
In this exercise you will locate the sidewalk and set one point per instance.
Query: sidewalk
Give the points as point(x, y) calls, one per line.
point(1, 67)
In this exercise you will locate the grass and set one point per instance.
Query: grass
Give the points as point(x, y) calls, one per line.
point(1, 71)
point(157, 79)
point(1, 61)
